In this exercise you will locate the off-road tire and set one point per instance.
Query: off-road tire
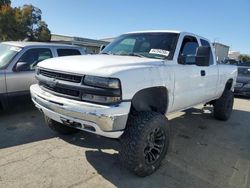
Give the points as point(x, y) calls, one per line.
point(134, 142)
point(59, 127)
point(224, 105)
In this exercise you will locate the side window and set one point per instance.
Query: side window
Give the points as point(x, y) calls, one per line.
point(68, 52)
point(206, 43)
point(189, 46)
point(33, 56)
point(188, 49)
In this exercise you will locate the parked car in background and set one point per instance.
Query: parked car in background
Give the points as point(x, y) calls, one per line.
point(18, 61)
point(231, 62)
point(242, 86)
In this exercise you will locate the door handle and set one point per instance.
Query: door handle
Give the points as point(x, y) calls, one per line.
point(203, 73)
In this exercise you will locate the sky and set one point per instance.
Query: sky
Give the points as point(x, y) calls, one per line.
point(224, 21)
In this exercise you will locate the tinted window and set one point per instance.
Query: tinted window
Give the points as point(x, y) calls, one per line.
point(204, 43)
point(189, 46)
point(34, 56)
point(188, 50)
point(67, 52)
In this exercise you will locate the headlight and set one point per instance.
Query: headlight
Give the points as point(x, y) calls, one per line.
point(103, 90)
point(102, 82)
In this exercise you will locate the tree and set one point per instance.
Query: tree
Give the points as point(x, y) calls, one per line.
point(5, 2)
point(8, 30)
point(244, 58)
point(21, 23)
point(42, 33)
point(36, 30)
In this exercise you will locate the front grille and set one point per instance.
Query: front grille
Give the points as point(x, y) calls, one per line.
point(61, 76)
point(64, 91)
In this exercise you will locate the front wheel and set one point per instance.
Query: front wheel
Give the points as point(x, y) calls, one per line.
point(145, 142)
point(224, 105)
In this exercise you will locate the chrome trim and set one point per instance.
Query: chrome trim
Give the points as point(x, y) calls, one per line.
point(106, 118)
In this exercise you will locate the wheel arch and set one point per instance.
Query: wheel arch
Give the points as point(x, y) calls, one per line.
point(151, 99)
point(229, 84)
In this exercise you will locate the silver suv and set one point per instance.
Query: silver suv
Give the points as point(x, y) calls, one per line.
point(18, 61)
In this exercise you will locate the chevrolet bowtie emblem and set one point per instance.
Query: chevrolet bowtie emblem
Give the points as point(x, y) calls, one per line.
point(52, 83)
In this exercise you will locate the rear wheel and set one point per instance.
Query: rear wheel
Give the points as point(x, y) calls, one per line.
point(224, 105)
point(59, 127)
point(145, 142)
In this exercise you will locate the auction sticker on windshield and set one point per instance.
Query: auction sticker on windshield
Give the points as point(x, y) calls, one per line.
point(159, 52)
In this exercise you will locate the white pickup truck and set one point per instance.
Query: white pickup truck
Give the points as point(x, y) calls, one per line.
point(127, 90)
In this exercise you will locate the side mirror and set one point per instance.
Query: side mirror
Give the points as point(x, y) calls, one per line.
point(203, 56)
point(102, 47)
point(22, 66)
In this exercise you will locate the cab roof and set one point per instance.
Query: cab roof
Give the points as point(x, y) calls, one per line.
point(167, 31)
point(155, 31)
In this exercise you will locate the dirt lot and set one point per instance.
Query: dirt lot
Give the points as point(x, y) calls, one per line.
point(203, 153)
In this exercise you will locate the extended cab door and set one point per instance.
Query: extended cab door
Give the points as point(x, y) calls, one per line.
point(211, 76)
point(189, 78)
point(19, 81)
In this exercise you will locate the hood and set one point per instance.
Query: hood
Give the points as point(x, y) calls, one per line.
point(100, 65)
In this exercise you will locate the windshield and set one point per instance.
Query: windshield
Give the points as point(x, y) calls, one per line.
point(7, 52)
point(244, 72)
point(150, 45)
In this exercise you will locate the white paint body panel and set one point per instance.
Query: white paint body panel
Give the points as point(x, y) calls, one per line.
point(184, 83)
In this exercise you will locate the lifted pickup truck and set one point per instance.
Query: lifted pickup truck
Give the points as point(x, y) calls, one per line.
point(127, 90)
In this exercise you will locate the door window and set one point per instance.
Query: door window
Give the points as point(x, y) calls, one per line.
point(68, 52)
point(33, 56)
point(204, 43)
point(188, 49)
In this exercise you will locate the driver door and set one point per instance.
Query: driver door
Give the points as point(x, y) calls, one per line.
point(21, 80)
point(189, 82)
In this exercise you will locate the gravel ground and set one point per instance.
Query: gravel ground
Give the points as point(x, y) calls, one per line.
point(203, 153)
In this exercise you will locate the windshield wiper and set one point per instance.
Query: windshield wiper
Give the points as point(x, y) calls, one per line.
point(106, 53)
point(137, 55)
point(131, 54)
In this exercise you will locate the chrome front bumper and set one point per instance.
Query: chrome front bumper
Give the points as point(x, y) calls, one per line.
point(108, 121)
